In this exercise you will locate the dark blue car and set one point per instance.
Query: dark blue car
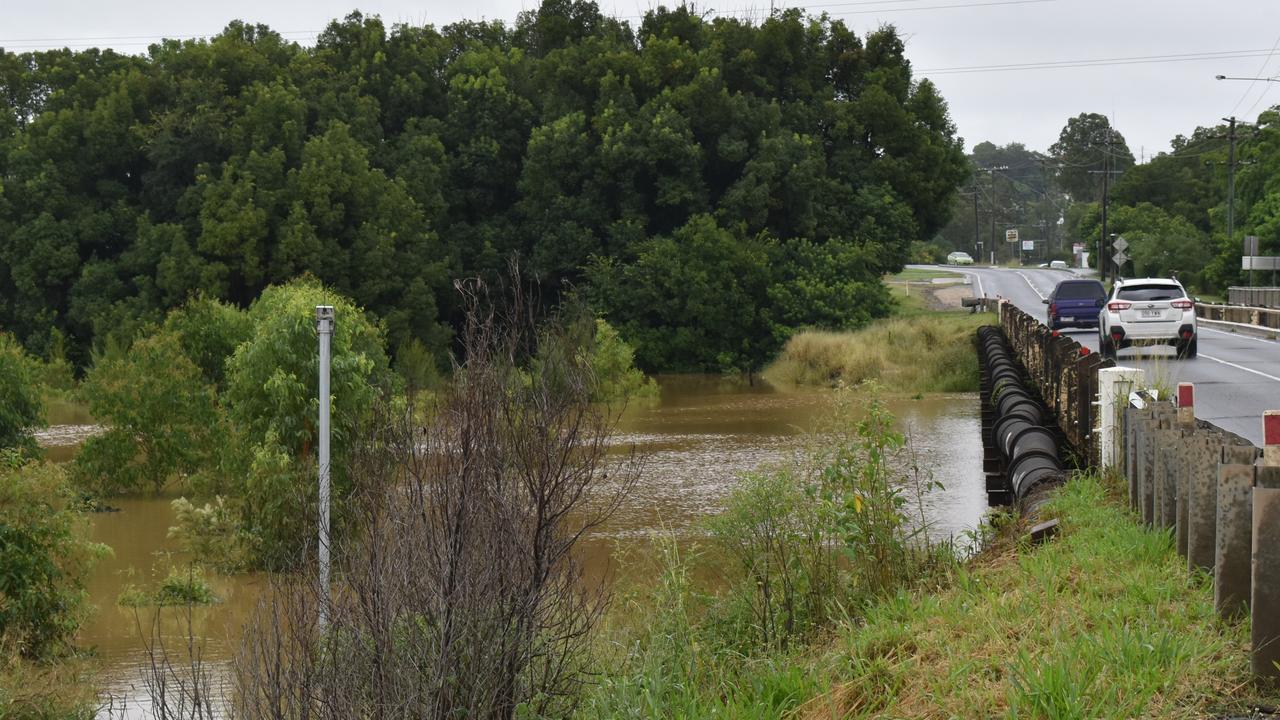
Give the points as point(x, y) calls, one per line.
point(1075, 303)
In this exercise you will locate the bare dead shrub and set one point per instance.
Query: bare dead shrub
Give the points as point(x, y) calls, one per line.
point(463, 594)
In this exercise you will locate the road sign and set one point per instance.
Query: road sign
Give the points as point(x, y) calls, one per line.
point(1077, 248)
point(1120, 258)
point(1250, 244)
point(1255, 262)
point(1120, 244)
point(1028, 244)
point(1011, 235)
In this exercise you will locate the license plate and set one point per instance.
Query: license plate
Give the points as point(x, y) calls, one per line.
point(1151, 313)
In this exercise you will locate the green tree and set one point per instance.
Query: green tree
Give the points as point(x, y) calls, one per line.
point(162, 416)
point(1086, 147)
point(21, 406)
point(45, 556)
point(271, 403)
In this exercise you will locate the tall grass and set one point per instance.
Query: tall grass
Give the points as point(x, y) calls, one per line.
point(917, 354)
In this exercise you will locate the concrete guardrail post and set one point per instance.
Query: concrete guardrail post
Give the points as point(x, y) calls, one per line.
point(1114, 386)
point(1232, 571)
point(1146, 464)
point(1265, 605)
point(1202, 501)
point(1183, 461)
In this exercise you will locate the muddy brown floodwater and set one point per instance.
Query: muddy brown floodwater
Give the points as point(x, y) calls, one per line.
point(697, 438)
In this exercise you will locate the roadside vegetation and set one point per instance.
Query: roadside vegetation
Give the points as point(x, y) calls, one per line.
point(919, 349)
point(1098, 623)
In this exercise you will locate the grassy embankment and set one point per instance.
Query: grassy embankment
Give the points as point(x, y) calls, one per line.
point(919, 349)
point(1102, 622)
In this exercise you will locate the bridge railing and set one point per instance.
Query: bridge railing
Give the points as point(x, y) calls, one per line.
point(1239, 315)
point(1064, 372)
point(1219, 497)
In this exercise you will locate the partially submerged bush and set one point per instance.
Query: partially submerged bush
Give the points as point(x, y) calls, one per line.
point(21, 408)
point(44, 557)
point(180, 586)
point(613, 363)
point(271, 402)
point(163, 418)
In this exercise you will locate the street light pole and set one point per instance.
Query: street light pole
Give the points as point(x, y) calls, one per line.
point(324, 328)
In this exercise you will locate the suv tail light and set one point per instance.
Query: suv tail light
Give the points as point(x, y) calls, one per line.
point(1118, 306)
point(1182, 304)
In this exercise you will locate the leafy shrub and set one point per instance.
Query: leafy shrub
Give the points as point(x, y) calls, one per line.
point(613, 363)
point(163, 416)
point(21, 408)
point(44, 557)
point(212, 532)
point(181, 586)
point(829, 532)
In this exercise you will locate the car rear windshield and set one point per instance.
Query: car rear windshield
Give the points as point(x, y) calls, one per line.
point(1150, 292)
point(1080, 291)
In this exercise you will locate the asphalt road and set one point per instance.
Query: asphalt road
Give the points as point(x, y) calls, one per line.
point(1237, 377)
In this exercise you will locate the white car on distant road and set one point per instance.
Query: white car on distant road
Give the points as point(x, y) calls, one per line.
point(959, 258)
point(1148, 311)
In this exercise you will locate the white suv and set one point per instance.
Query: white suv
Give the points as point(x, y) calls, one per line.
point(1147, 311)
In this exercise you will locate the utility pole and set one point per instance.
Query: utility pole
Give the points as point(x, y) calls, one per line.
point(1104, 246)
point(992, 171)
point(977, 243)
point(1231, 137)
point(324, 328)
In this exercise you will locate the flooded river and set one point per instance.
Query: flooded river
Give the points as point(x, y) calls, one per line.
point(698, 438)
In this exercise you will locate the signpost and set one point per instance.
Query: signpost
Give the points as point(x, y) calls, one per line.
point(1251, 250)
point(1011, 235)
point(1119, 245)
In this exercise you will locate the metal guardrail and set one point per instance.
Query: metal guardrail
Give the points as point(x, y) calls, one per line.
point(1260, 317)
point(1266, 297)
point(1065, 374)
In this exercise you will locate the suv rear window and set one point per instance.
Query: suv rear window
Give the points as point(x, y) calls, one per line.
point(1086, 290)
point(1150, 292)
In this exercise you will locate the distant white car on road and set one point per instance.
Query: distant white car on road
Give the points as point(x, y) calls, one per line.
point(959, 258)
point(1058, 265)
point(1148, 311)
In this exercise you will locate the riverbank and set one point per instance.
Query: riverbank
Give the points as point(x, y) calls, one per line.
point(1100, 622)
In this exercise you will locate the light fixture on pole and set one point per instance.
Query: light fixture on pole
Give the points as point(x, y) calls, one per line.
point(1256, 79)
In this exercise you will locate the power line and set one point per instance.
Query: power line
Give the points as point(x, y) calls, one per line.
point(1098, 62)
point(1253, 82)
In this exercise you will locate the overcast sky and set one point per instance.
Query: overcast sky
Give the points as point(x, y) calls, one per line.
point(1149, 102)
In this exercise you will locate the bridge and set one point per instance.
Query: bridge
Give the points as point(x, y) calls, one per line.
point(1237, 376)
point(1216, 493)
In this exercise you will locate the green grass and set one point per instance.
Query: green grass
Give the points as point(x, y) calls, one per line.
point(921, 275)
point(1104, 622)
point(916, 352)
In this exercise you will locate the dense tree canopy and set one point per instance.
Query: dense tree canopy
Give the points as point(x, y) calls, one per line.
point(1087, 147)
point(386, 163)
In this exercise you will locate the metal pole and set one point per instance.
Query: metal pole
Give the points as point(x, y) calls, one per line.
point(324, 328)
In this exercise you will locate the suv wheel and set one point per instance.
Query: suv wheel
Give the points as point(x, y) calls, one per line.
point(1187, 351)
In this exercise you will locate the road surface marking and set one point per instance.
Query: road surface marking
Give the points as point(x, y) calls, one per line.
point(1033, 287)
point(1238, 335)
point(1241, 367)
point(976, 276)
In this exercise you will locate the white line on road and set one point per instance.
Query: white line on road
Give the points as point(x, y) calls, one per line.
point(977, 277)
point(1240, 367)
point(1237, 335)
point(1033, 287)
